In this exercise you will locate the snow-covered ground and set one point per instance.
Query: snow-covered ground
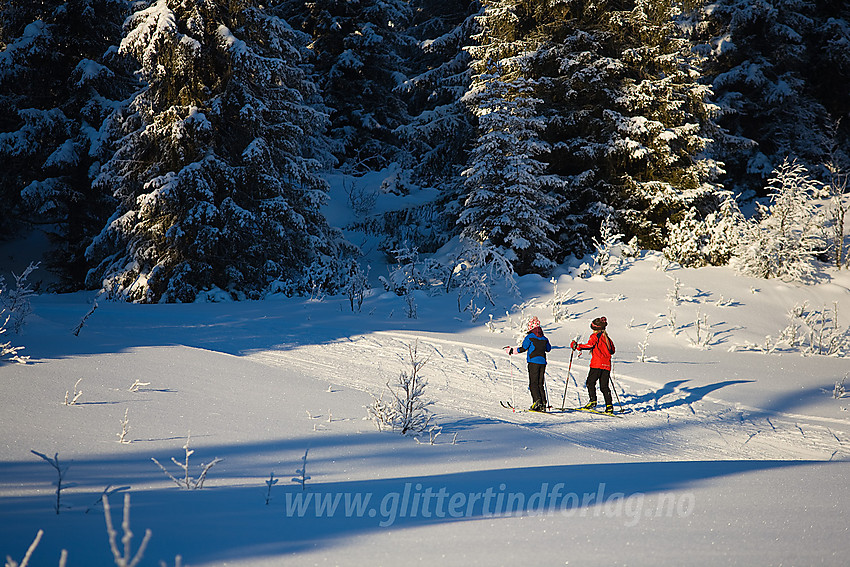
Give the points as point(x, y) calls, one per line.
point(733, 450)
point(727, 456)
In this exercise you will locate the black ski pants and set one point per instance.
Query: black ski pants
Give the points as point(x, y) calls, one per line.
point(536, 378)
point(603, 376)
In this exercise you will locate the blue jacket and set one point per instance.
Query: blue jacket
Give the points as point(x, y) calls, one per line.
point(537, 347)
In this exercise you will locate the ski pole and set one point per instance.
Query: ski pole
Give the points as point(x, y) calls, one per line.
point(513, 401)
point(567, 381)
point(613, 385)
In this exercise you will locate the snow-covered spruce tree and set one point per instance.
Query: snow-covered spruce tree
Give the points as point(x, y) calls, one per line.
point(59, 82)
point(759, 60)
point(578, 78)
point(208, 170)
point(627, 120)
point(55, 91)
point(360, 49)
point(441, 128)
point(509, 199)
point(658, 120)
point(785, 238)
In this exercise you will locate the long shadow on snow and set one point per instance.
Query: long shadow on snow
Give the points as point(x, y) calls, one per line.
point(690, 394)
point(221, 523)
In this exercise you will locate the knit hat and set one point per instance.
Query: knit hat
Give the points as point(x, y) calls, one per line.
point(533, 323)
point(599, 324)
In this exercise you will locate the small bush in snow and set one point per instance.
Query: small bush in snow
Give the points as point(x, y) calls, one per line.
point(643, 345)
point(787, 235)
point(810, 331)
point(361, 199)
point(134, 387)
point(187, 482)
point(381, 412)
point(710, 241)
point(839, 200)
point(25, 561)
point(357, 285)
point(14, 308)
point(17, 301)
point(816, 331)
point(604, 260)
point(71, 400)
point(302, 477)
point(839, 204)
point(559, 302)
point(123, 559)
point(125, 428)
point(674, 295)
point(60, 471)
point(839, 390)
point(82, 322)
point(409, 273)
point(407, 409)
point(702, 332)
point(7, 351)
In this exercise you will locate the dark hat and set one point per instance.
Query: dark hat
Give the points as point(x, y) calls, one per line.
point(599, 324)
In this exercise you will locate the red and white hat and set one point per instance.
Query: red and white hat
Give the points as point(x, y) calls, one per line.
point(599, 323)
point(533, 323)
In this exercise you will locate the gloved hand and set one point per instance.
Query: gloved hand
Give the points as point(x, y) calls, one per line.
point(573, 345)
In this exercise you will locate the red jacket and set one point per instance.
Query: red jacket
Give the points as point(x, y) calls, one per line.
point(602, 349)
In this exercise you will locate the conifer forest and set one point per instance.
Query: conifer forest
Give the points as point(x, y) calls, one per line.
point(170, 147)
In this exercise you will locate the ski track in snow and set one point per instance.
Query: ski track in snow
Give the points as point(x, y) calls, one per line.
point(661, 425)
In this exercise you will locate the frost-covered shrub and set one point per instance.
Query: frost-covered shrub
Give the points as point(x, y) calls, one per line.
point(816, 331)
point(14, 308)
point(839, 390)
point(839, 204)
point(785, 238)
point(708, 241)
point(411, 272)
point(357, 286)
point(361, 199)
point(604, 260)
point(407, 409)
point(474, 271)
point(16, 302)
point(7, 351)
point(187, 482)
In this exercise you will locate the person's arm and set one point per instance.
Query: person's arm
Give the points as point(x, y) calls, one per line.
point(591, 342)
point(526, 344)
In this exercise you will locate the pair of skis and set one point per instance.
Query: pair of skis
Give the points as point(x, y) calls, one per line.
point(510, 406)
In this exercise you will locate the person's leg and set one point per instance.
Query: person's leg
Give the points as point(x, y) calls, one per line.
point(534, 383)
point(604, 385)
point(541, 385)
point(592, 378)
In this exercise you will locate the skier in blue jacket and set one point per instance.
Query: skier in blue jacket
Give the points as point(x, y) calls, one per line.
point(536, 345)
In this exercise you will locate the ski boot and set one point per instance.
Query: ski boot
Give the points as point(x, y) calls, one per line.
point(609, 409)
point(589, 405)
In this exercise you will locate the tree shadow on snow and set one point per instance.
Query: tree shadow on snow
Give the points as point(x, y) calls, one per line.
point(231, 519)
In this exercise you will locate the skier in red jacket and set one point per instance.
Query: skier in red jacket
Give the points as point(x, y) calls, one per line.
point(601, 347)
